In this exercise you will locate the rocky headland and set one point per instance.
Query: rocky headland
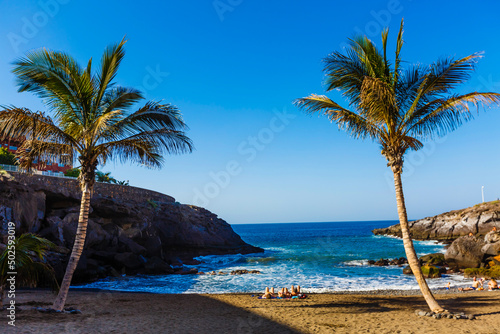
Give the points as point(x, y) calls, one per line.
point(472, 235)
point(478, 220)
point(130, 231)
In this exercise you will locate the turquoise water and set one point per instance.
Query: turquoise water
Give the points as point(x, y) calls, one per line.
point(321, 257)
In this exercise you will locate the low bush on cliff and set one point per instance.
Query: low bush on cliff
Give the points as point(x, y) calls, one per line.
point(7, 158)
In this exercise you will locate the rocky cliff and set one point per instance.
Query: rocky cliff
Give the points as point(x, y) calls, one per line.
point(449, 226)
point(131, 230)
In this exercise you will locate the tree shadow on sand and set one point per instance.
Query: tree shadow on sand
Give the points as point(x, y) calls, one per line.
point(105, 312)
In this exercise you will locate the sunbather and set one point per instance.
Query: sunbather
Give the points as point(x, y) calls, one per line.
point(268, 294)
point(492, 284)
point(475, 285)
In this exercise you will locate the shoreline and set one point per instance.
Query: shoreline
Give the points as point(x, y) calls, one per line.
point(124, 312)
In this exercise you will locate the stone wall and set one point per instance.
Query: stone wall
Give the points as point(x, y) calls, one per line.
point(70, 188)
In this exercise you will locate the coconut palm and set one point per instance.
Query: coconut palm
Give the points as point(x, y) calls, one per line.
point(105, 177)
point(398, 109)
point(28, 262)
point(91, 122)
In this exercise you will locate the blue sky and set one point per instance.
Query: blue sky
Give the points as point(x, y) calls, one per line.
point(233, 67)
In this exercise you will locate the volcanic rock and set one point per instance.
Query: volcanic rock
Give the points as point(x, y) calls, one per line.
point(130, 230)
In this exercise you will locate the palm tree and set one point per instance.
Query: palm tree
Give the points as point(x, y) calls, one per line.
point(398, 109)
point(92, 122)
point(105, 177)
point(28, 262)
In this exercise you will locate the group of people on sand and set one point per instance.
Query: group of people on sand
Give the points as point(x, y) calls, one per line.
point(294, 292)
point(479, 285)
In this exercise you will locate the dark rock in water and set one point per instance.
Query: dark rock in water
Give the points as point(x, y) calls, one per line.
point(465, 252)
point(435, 259)
point(381, 263)
point(191, 271)
point(156, 266)
point(388, 262)
point(244, 271)
point(131, 230)
point(427, 270)
point(449, 226)
point(430, 271)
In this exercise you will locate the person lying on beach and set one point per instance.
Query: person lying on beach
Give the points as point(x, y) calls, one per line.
point(284, 293)
point(268, 294)
point(295, 290)
point(492, 284)
point(475, 285)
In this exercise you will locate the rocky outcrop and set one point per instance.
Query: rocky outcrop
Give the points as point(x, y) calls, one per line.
point(131, 230)
point(465, 252)
point(472, 252)
point(478, 220)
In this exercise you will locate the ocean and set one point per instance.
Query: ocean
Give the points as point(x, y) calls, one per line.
point(320, 257)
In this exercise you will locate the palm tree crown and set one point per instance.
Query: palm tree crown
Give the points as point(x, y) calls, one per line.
point(91, 115)
point(398, 108)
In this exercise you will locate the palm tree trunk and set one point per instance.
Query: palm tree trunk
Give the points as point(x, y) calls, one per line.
point(81, 233)
point(411, 255)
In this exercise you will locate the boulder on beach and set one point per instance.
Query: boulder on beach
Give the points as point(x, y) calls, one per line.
point(465, 252)
point(435, 259)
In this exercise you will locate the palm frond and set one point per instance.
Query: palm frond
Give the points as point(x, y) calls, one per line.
point(110, 62)
point(30, 255)
point(441, 116)
point(357, 125)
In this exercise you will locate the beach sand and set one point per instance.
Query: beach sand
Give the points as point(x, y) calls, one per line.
point(119, 312)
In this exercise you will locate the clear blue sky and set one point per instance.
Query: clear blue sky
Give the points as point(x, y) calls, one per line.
point(233, 67)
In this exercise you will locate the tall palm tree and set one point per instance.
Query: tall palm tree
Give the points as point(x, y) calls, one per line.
point(92, 122)
point(29, 263)
point(398, 109)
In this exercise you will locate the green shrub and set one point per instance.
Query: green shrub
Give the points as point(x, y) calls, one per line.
point(6, 157)
point(73, 172)
point(493, 272)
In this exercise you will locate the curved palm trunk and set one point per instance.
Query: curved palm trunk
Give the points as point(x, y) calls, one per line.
point(81, 233)
point(410, 250)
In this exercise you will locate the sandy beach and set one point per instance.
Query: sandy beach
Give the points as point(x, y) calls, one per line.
point(118, 312)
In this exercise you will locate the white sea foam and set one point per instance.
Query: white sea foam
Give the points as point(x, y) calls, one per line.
point(356, 263)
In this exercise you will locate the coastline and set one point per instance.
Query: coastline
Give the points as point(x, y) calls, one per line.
point(125, 312)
